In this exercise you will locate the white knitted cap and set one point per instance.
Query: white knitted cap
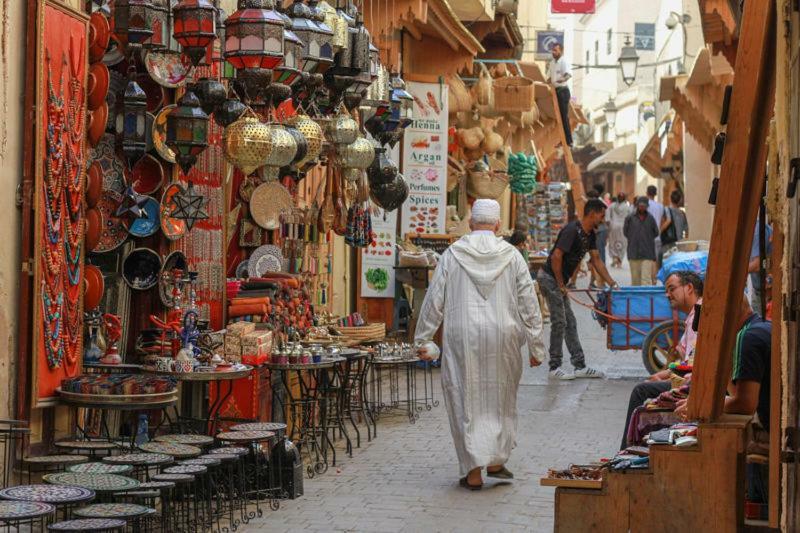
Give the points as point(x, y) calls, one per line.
point(486, 209)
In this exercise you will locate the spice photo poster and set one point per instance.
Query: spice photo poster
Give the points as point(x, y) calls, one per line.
point(378, 259)
point(425, 161)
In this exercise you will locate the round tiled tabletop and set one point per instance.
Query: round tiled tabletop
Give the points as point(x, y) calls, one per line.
point(95, 482)
point(186, 469)
point(63, 459)
point(235, 450)
point(12, 511)
point(202, 461)
point(245, 436)
point(88, 524)
point(174, 478)
point(55, 494)
point(86, 445)
point(139, 459)
point(224, 457)
point(192, 440)
point(100, 468)
point(260, 426)
point(157, 485)
point(112, 510)
point(180, 451)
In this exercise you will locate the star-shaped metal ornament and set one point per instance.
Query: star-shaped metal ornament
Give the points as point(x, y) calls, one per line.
point(189, 207)
point(132, 203)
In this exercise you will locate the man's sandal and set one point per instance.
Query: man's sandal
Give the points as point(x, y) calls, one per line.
point(503, 473)
point(466, 484)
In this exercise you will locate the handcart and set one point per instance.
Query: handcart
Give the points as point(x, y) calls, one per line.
point(638, 318)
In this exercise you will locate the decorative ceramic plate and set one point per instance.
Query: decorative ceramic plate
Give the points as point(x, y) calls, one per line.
point(115, 229)
point(95, 286)
point(112, 166)
point(141, 269)
point(95, 482)
point(236, 450)
point(268, 250)
point(94, 228)
point(186, 469)
point(196, 440)
point(89, 524)
point(147, 175)
point(269, 200)
point(175, 478)
point(99, 468)
point(174, 449)
point(245, 436)
point(47, 493)
point(157, 485)
point(100, 36)
point(56, 459)
point(172, 228)
point(111, 510)
point(267, 263)
point(144, 459)
point(202, 461)
point(94, 184)
point(260, 426)
point(159, 134)
point(144, 227)
point(86, 445)
point(241, 269)
point(11, 510)
point(99, 80)
point(168, 70)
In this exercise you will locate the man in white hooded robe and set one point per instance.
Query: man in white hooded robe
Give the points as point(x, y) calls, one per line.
point(483, 292)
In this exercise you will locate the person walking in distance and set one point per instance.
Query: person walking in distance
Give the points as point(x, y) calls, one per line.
point(574, 241)
point(560, 73)
point(484, 294)
point(641, 231)
point(615, 217)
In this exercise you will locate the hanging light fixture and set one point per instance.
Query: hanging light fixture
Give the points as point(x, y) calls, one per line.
point(326, 36)
point(289, 71)
point(254, 36)
point(131, 124)
point(318, 48)
point(247, 143)
point(133, 21)
point(160, 26)
point(187, 131)
point(195, 29)
point(402, 102)
point(610, 112)
point(628, 62)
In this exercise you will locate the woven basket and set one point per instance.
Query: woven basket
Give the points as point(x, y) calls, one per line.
point(373, 331)
point(487, 185)
point(513, 94)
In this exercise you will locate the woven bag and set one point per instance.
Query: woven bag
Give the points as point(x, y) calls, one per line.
point(513, 94)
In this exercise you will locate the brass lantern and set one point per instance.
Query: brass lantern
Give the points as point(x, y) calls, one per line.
point(195, 27)
point(356, 157)
point(132, 121)
point(133, 21)
point(284, 150)
point(337, 24)
point(313, 136)
point(247, 143)
point(187, 131)
point(342, 129)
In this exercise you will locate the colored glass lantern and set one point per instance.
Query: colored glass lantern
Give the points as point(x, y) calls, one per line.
point(133, 21)
point(402, 102)
point(288, 72)
point(132, 121)
point(317, 41)
point(195, 29)
point(336, 23)
point(254, 36)
point(187, 131)
point(160, 24)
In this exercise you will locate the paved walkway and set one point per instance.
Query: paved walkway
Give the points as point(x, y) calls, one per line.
point(406, 480)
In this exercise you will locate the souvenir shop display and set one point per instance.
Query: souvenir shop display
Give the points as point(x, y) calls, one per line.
point(547, 214)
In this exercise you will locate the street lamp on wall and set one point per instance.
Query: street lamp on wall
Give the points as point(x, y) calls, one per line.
point(628, 62)
point(610, 112)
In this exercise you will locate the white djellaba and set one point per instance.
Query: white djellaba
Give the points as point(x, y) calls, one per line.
point(483, 293)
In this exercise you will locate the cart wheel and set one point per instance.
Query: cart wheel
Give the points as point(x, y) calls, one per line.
point(658, 348)
point(310, 471)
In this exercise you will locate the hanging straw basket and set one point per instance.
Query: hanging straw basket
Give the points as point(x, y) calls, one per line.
point(489, 185)
point(459, 97)
point(513, 94)
point(454, 172)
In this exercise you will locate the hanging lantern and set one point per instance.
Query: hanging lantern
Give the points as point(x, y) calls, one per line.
point(288, 72)
point(133, 21)
point(211, 93)
point(229, 112)
point(337, 24)
point(132, 121)
point(160, 25)
point(195, 27)
point(318, 50)
point(402, 103)
point(284, 150)
point(302, 145)
point(254, 36)
point(341, 130)
point(356, 157)
point(247, 143)
point(187, 131)
point(390, 196)
point(325, 36)
point(313, 135)
point(360, 42)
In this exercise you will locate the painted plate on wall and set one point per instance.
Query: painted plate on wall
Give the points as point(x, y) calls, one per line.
point(146, 226)
point(115, 229)
point(160, 134)
point(167, 69)
point(112, 166)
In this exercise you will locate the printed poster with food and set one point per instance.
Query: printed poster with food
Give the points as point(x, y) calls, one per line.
point(425, 161)
point(378, 259)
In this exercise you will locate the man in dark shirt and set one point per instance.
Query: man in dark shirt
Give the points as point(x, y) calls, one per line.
point(641, 231)
point(574, 241)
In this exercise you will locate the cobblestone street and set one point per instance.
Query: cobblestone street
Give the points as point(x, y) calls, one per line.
point(407, 479)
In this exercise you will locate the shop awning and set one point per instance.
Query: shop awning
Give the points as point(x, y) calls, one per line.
point(665, 143)
point(614, 159)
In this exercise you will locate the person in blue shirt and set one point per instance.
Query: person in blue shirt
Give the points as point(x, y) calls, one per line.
point(754, 266)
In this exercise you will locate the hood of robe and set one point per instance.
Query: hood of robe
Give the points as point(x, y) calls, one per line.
point(483, 258)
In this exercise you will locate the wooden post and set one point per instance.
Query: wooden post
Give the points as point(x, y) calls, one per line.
point(574, 173)
point(776, 381)
point(741, 184)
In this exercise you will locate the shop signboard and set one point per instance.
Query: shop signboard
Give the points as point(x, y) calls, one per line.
point(425, 161)
point(645, 36)
point(378, 259)
point(545, 40)
point(572, 6)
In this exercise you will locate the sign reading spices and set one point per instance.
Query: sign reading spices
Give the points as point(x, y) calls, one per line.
point(378, 259)
point(425, 160)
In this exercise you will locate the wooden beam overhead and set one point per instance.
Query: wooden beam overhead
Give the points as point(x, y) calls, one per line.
point(740, 187)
